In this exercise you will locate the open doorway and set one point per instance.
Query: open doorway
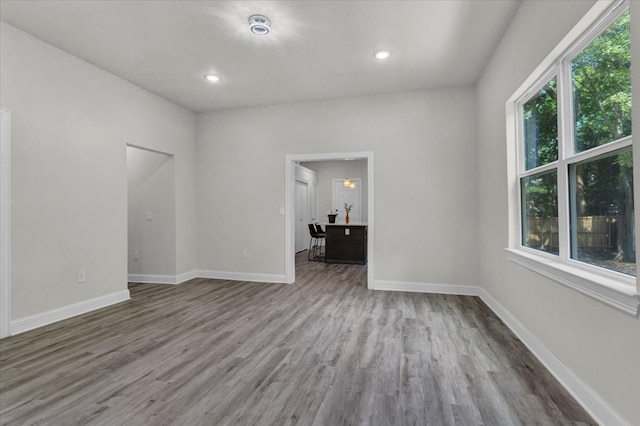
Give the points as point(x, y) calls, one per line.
point(151, 232)
point(292, 161)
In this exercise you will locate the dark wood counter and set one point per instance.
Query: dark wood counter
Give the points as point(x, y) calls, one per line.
point(346, 243)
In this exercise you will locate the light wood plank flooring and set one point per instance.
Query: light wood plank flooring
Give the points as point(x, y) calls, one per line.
point(323, 351)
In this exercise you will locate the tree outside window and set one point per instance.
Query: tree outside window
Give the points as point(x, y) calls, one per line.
point(600, 182)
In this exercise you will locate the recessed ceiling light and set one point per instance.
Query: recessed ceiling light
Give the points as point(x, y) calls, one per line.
point(259, 25)
point(382, 54)
point(212, 78)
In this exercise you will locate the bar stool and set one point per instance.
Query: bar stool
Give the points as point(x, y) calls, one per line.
point(315, 243)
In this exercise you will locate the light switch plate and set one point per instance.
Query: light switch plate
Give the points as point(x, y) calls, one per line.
point(347, 231)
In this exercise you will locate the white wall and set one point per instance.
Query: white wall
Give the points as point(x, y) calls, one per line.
point(151, 213)
point(71, 121)
point(330, 170)
point(425, 230)
point(70, 125)
point(598, 343)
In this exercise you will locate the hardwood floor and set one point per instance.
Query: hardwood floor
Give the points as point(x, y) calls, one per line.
point(323, 351)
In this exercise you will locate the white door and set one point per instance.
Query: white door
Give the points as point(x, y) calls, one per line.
point(302, 229)
point(313, 202)
point(342, 195)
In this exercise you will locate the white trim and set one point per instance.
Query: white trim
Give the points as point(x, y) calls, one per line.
point(599, 9)
point(45, 318)
point(151, 279)
point(593, 403)
point(5, 223)
point(219, 275)
point(289, 249)
point(457, 289)
point(186, 276)
point(242, 276)
point(597, 407)
point(162, 279)
point(617, 290)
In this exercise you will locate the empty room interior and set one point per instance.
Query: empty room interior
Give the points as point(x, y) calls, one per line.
point(319, 212)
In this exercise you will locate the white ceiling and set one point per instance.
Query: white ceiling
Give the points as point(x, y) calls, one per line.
point(317, 49)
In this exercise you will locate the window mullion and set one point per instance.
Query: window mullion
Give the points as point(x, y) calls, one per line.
point(565, 150)
point(540, 169)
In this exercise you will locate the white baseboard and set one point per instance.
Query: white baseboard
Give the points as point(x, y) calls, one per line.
point(162, 279)
point(242, 276)
point(462, 290)
point(152, 279)
point(45, 318)
point(186, 276)
point(597, 407)
point(220, 275)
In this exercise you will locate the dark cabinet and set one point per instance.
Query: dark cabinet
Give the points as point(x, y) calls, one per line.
point(346, 244)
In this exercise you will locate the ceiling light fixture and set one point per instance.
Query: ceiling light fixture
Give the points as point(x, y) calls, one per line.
point(382, 54)
point(212, 78)
point(348, 183)
point(259, 25)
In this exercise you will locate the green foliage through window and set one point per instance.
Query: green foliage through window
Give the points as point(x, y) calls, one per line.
point(601, 211)
point(541, 127)
point(602, 88)
point(540, 211)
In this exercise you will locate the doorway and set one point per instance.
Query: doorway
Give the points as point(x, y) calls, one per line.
point(151, 229)
point(290, 223)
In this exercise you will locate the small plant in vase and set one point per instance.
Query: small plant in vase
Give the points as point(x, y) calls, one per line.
point(347, 209)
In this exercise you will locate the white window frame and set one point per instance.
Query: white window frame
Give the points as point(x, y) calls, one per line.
point(613, 288)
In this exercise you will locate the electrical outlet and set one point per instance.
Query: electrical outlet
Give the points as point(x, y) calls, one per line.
point(245, 255)
point(136, 254)
point(81, 277)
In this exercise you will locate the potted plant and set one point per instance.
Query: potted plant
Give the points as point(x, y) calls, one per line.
point(347, 209)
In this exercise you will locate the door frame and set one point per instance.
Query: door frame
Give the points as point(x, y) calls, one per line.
point(5, 223)
point(152, 278)
point(290, 161)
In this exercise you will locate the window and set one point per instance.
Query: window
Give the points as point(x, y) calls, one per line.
point(574, 161)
